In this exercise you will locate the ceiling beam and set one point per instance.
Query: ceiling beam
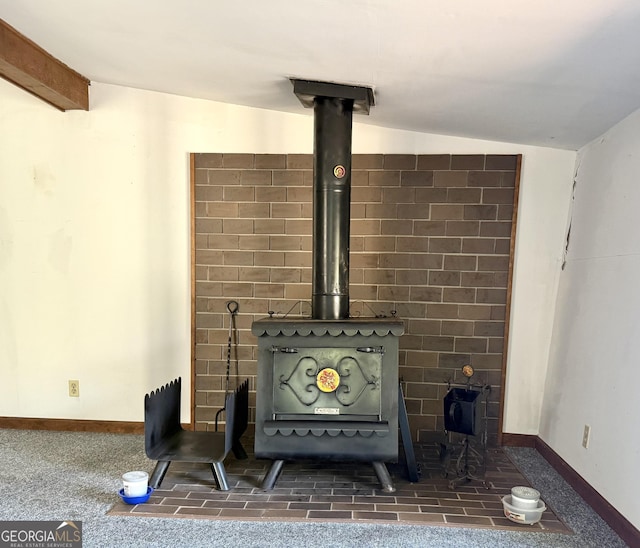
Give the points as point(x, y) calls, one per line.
point(28, 66)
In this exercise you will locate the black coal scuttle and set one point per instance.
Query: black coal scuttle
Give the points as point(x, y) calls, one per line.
point(327, 385)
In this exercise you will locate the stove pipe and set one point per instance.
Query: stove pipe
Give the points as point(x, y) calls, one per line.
point(333, 106)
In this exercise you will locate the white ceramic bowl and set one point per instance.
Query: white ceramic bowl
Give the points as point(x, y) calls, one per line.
point(522, 515)
point(525, 498)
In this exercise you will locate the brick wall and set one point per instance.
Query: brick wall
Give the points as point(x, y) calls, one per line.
point(430, 239)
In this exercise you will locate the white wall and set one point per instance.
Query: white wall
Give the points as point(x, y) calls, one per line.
point(594, 365)
point(94, 243)
point(545, 196)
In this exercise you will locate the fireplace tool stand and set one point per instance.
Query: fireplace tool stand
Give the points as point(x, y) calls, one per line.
point(462, 416)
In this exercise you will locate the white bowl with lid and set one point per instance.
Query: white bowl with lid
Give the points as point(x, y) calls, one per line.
point(526, 516)
point(525, 498)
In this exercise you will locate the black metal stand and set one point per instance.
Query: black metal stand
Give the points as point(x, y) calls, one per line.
point(167, 441)
point(465, 470)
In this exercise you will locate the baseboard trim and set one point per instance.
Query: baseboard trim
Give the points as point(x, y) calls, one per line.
point(621, 525)
point(72, 425)
point(518, 440)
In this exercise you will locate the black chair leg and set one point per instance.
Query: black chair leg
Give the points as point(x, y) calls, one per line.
point(220, 475)
point(158, 473)
point(238, 451)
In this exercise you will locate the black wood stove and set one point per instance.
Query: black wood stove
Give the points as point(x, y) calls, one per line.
point(328, 390)
point(327, 385)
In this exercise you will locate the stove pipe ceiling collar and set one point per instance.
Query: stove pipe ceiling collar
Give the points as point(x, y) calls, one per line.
point(333, 106)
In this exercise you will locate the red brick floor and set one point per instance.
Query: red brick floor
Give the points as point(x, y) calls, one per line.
point(310, 491)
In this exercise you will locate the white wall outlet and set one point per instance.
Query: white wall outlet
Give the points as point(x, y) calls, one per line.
point(586, 434)
point(74, 389)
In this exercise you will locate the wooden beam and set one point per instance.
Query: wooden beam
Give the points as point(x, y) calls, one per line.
point(31, 68)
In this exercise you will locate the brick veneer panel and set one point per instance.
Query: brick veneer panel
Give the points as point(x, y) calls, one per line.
point(430, 239)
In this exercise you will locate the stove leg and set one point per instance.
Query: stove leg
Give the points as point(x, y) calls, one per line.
point(384, 477)
point(272, 475)
point(158, 473)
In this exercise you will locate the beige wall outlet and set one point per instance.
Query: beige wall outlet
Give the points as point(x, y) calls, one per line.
point(74, 389)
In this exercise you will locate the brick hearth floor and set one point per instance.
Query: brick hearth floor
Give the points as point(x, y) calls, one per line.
point(309, 491)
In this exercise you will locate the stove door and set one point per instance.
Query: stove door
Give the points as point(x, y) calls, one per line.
point(343, 383)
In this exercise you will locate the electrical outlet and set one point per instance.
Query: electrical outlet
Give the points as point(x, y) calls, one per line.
point(74, 389)
point(585, 436)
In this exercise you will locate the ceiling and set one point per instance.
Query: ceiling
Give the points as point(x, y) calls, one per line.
point(553, 73)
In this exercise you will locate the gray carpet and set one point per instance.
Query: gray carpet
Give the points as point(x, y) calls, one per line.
point(76, 476)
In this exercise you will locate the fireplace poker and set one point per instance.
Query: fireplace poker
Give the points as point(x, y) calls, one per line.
point(232, 307)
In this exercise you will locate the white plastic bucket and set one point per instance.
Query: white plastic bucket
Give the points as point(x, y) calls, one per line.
point(135, 483)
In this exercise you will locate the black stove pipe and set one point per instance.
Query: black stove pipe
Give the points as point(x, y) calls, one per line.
point(331, 207)
point(333, 106)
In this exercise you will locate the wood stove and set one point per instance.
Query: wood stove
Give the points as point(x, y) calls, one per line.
point(327, 386)
point(328, 390)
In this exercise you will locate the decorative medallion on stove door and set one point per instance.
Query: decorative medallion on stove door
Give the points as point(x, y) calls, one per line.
point(339, 171)
point(328, 380)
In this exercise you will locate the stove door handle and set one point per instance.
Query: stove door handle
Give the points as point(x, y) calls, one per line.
point(284, 349)
point(371, 349)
